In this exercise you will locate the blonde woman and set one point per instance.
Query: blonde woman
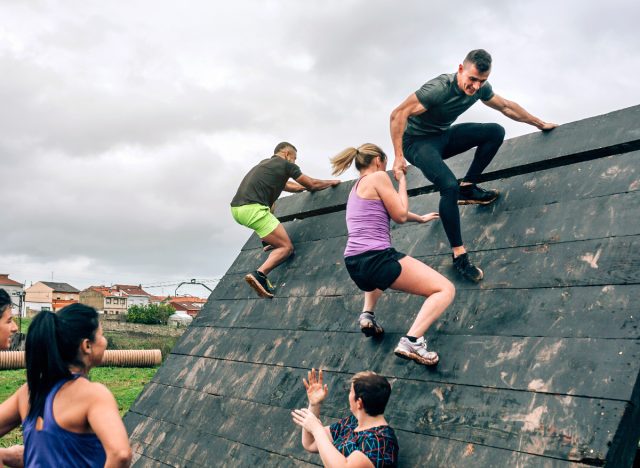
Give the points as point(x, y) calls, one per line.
point(373, 264)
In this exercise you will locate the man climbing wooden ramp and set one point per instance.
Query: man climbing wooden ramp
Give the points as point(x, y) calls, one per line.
point(540, 361)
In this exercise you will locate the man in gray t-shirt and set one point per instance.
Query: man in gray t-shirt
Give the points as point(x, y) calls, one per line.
point(252, 203)
point(422, 132)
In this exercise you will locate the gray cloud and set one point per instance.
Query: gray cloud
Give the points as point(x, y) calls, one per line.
point(126, 127)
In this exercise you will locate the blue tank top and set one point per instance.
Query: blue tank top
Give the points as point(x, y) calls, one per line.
point(55, 446)
point(368, 224)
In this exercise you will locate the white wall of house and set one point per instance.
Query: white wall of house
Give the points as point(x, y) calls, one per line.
point(137, 300)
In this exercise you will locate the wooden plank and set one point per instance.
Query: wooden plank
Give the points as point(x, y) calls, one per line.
point(591, 311)
point(165, 436)
point(586, 139)
point(597, 218)
point(607, 176)
point(552, 426)
point(611, 261)
point(553, 365)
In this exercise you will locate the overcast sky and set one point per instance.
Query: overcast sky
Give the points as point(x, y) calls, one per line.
point(126, 126)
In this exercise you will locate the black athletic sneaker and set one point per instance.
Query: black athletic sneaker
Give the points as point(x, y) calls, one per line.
point(474, 195)
point(369, 326)
point(260, 283)
point(467, 269)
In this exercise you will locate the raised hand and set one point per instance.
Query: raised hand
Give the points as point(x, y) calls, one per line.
point(306, 420)
point(316, 391)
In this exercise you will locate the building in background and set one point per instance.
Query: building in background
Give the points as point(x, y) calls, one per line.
point(14, 289)
point(135, 294)
point(49, 295)
point(106, 300)
point(188, 304)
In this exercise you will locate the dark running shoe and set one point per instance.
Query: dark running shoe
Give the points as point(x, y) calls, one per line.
point(467, 269)
point(474, 195)
point(369, 326)
point(260, 283)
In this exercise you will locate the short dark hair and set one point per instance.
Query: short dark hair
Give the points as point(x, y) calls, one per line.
point(480, 58)
point(5, 300)
point(282, 145)
point(373, 389)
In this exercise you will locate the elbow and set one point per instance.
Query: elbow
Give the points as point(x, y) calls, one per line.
point(401, 218)
point(121, 457)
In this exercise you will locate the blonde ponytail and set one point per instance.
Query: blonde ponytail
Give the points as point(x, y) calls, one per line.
point(343, 160)
point(364, 156)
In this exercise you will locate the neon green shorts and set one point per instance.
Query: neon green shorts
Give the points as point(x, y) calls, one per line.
point(257, 217)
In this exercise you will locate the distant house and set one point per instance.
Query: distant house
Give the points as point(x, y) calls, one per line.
point(187, 304)
point(12, 287)
point(105, 299)
point(135, 294)
point(47, 295)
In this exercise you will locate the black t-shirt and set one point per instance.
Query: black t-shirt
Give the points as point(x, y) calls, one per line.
point(265, 182)
point(444, 101)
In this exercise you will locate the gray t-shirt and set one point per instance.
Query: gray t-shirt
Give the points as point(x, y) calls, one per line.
point(444, 102)
point(265, 182)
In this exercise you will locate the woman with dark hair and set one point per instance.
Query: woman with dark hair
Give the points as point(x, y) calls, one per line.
point(373, 264)
point(11, 456)
point(362, 440)
point(67, 420)
point(8, 327)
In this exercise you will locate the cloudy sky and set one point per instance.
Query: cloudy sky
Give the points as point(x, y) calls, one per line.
point(127, 126)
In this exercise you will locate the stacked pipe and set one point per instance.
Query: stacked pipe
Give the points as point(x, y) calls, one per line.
point(112, 358)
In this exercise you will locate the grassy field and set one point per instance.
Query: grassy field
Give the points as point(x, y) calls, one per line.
point(125, 384)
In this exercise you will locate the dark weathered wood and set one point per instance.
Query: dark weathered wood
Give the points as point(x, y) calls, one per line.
point(600, 136)
point(540, 362)
point(546, 364)
point(590, 311)
point(182, 445)
point(596, 218)
point(549, 425)
point(609, 261)
point(607, 176)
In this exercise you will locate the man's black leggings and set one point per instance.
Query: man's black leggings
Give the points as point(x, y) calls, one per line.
point(429, 152)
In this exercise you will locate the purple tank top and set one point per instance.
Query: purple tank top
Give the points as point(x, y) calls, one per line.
point(55, 446)
point(367, 224)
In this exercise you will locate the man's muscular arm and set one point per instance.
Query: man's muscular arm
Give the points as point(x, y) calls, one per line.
point(516, 112)
point(399, 116)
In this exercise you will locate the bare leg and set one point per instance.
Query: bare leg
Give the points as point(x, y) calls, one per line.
point(282, 248)
point(418, 278)
point(371, 299)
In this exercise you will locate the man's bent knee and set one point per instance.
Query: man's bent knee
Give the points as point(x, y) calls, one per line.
point(495, 131)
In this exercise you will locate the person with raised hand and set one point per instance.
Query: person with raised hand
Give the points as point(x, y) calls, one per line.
point(67, 420)
point(362, 440)
point(373, 264)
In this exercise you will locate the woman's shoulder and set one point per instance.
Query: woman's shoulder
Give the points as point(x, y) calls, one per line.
point(85, 388)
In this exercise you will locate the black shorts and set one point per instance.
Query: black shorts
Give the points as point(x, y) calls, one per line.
point(376, 269)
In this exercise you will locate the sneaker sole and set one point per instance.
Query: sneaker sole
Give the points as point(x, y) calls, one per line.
point(416, 358)
point(251, 281)
point(371, 331)
point(476, 202)
point(479, 279)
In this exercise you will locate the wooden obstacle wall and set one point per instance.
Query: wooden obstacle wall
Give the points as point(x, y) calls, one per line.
point(539, 362)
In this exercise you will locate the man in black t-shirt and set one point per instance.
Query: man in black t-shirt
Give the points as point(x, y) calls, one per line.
point(251, 207)
point(422, 132)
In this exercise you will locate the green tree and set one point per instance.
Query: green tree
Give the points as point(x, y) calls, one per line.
point(151, 314)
